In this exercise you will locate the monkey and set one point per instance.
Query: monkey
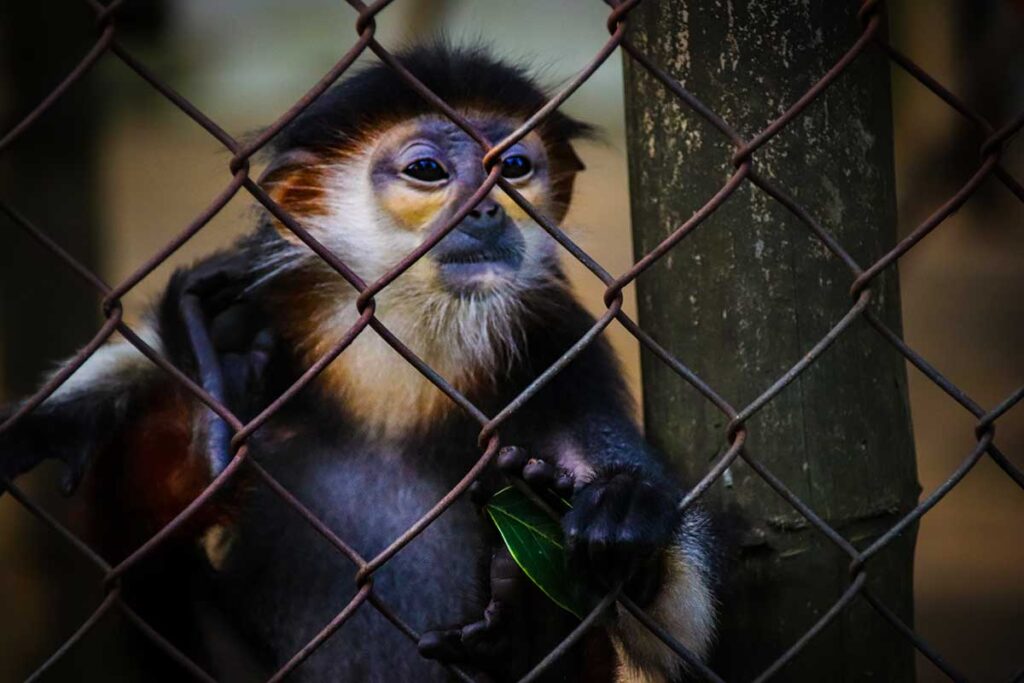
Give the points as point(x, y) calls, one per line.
point(370, 169)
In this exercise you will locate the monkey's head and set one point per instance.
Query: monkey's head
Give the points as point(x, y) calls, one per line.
point(372, 169)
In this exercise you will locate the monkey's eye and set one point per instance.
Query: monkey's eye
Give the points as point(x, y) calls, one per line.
point(426, 170)
point(516, 166)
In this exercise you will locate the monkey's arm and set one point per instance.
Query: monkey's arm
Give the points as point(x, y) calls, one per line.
point(148, 437)
point(624, 523)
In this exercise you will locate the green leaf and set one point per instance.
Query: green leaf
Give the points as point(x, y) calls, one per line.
point(536, 544)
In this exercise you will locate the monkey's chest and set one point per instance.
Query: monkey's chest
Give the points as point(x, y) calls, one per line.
point(284, 581)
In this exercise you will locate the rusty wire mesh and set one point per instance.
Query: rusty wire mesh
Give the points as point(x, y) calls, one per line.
point(995, 139)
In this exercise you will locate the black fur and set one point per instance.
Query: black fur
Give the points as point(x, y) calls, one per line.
point(461, 76)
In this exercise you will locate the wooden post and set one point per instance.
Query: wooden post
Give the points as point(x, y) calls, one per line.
point(746, 296)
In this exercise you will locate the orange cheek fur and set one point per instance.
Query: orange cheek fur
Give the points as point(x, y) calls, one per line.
point(413, 210)
point(531, 193)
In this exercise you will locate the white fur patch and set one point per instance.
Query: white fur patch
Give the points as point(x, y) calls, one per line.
point(115, 364)
point(571, 458)
point(685, 607)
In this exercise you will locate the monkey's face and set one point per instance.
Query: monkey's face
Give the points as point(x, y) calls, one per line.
point(379, 196)
point(421, 172)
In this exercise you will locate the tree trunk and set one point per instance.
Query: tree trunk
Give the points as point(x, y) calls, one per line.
point(746, 296)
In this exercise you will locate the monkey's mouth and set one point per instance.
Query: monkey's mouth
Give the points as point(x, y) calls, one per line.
point(464, 271)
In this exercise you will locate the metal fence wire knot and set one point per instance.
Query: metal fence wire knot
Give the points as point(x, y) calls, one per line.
point(995, 137)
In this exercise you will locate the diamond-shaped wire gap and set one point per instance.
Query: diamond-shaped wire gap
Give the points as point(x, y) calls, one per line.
point(935, 535)
point(919, 643)
point(251, 145)
point(834, 611)
point(790, 203)
point(947, 487)
point(682, 94)
point(85, 551)
point(324, 531)
point(165, 252)
point(239, 164)
point(994, 140)
point(388, 613)
point(567, 357)
point(337, 543)
point(816, 523)
point(690, 225)
point(736, 435)
point(954, 392)
point(929, 501)
point(108, 602)
point(961, 398)
point(990, 160)
point(254, 145)
point(326, 632)
point(113, 595)
point(98, 49)
point(574, 637)
point(166, 646)
point(46, 518)
point(428, 517)
point(341, 546)
point(734, 439)
point(812, 94)
point(948, 208)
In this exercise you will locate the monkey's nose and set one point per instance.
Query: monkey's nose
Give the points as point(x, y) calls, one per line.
point(485, 222)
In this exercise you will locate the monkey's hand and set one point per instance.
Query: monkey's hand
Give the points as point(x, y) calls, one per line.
point(619, 525)
point(496, 637)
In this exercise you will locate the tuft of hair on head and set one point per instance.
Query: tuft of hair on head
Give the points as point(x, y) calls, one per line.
point(462, 76)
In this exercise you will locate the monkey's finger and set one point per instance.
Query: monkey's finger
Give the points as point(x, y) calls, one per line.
point(443, 645)
point(479, 494)
point(539, 474)
point(511, 460)
point(507, 578)
point(565, 483)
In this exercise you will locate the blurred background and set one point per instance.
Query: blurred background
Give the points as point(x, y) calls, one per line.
point(114, 170)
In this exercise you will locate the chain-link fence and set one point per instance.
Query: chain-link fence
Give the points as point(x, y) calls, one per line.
point(996, 137)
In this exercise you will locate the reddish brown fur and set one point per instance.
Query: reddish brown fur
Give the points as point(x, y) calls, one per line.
point(153, 471)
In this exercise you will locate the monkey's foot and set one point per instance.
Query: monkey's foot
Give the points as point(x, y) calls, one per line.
point(498, 636)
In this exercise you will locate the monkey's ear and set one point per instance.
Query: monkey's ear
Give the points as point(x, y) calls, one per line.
point(294, 180)
point(567, 164)
point(573, 161)
point(280, 165)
